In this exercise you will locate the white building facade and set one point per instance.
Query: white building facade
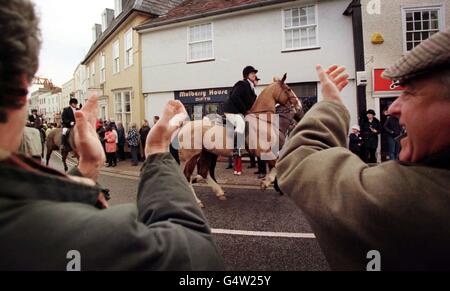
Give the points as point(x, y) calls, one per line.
point(81, 84)
point(198, 61)
point(50, 104)
point(68, 92)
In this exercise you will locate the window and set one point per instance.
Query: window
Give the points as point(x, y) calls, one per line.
point(102, 68)
point(89, 74)
point(128, 40)
point(307, 93)
point(300, 28)
point(419, 23)
point(123, 107)
point(92, 76)
point(116, 57)
point(200, 38)
point(118, 7)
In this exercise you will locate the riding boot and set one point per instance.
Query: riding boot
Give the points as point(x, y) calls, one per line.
point(239, 146)
point(63, 142)
point(238, 166)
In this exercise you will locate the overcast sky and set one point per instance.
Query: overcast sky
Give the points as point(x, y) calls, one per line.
point(67, 34)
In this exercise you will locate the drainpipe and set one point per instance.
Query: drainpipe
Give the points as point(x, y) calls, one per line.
point(355, 10)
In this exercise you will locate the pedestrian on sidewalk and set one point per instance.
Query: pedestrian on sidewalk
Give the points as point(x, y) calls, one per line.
point(133, 143)
point(371, 130)
point(356, 144)
point(393, 131)
point(113, 126)
point(121, 140)
point(101, 135)
point(143, 132)
point(111, 147)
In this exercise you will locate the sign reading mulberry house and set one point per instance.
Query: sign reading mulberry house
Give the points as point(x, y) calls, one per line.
point(215, 95)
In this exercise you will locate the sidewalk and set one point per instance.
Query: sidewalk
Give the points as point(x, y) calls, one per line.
point(224, 177)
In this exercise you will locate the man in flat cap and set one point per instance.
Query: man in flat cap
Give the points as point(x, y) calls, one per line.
point(397, 213)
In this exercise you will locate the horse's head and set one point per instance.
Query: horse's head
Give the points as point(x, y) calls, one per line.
point(284, 95)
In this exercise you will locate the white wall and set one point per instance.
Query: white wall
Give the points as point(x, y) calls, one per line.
point(155, 103)
point(254, 38)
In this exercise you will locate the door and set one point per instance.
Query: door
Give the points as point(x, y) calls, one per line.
point(385, 103)
point(198, 112)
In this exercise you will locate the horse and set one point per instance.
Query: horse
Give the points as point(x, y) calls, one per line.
point(289, 118)
point(214, 141)
point(54, 142)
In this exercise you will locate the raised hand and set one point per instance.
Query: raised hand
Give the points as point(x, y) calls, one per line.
point(338, 76)
point(333, 81)
point(160, 137)
point(87, 143)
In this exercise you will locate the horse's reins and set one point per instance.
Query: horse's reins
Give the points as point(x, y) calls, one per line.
point(278, 101)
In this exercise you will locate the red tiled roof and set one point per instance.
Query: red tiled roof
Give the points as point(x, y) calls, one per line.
point(193, 8)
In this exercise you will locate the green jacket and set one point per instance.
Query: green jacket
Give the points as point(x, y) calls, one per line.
point(43, 217)
point(401, 210)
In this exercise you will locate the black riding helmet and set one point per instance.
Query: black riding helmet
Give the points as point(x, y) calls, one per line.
point(248, 70)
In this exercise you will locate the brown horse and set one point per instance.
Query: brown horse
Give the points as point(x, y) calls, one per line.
point(202, 142)
point(54, 142)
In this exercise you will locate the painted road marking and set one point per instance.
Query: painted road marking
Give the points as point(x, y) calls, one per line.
point(264, 234)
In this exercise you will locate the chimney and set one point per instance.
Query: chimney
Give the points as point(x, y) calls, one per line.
point(107, 18)
point(96, 32)
point(119, 6)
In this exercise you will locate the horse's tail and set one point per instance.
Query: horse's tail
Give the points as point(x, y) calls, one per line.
point(212, 168)
point(51, 139)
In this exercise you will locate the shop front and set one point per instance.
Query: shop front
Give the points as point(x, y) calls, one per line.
point(386, 92)
point(307, 93)
point(203, 102)
point(200, 103)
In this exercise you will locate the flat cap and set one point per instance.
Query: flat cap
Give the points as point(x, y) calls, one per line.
point(431, 54)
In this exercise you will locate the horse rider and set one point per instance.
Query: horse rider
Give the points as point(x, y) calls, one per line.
point(68, 121)
point(242, 98)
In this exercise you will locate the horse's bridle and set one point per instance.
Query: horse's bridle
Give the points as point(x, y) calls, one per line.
point(290, 96)
point(277, 100)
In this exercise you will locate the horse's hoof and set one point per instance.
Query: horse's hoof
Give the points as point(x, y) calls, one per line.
point(222, 197)
point(201, 205)
point(263, 186)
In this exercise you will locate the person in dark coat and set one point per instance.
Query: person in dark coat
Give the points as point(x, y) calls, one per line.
point(143, 132)
point(371, 130)
point(393, 131)
point(121, 140)
point(241, 100)
point(32, 118)
point(101, 131)
point(356, 145)
point(243, 94)
point(68, 121)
